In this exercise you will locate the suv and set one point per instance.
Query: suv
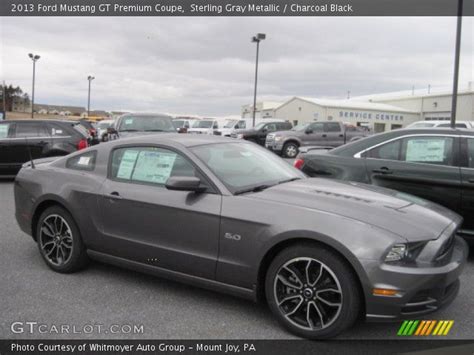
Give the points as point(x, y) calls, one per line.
point(259, 133)
point(138, 124)
point(323, 134)
point(23, 140)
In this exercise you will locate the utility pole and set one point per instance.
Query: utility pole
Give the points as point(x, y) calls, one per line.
point(34, 58)
point(89, 78)
point(456, 65)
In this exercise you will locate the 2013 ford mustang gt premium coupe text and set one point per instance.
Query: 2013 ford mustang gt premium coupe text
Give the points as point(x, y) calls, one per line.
point(231, 216)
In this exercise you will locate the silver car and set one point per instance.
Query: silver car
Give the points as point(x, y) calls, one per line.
point(230, 216)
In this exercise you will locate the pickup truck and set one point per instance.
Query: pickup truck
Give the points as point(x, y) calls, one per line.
point(321, 134)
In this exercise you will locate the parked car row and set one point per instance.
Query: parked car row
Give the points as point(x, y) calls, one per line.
point(434, 164)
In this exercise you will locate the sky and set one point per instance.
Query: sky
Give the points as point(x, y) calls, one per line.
point(205, 66)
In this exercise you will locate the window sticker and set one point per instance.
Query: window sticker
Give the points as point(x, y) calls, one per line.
point(154, 166)
point(4, 130)
point(126, 164)
point(128, 120)
point(426, 150)
point(84, 161)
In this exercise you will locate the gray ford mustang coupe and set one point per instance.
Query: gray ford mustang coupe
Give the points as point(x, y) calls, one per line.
point(233, 217)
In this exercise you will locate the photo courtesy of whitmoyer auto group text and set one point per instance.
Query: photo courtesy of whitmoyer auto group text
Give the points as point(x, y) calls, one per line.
point(282, 177)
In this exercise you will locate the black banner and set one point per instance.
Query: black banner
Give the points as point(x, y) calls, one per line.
point(280, 347)
point(233, 8)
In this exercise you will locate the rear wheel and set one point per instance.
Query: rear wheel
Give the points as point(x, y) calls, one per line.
point(312, 292)
point(290, 150)
point(59, 241)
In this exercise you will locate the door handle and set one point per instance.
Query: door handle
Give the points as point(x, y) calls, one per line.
point(341, 135)
point(471, 181)
point(114, 196)
point(325, 135)
point(383, 171)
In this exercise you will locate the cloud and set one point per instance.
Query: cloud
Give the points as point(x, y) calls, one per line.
point(206, 65)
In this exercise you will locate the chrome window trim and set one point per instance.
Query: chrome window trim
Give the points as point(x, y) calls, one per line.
point(358, 155)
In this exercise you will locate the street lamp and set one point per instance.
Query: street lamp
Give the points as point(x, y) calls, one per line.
point(34, 58)
point(256, 39)
point(90, 78)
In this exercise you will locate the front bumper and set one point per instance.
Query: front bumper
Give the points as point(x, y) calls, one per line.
point(420, 290)
point(276, 147)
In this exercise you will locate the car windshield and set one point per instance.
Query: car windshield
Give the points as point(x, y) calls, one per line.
point(421, 125)
point(300, 127)
point(246, 167)
point(178, 123)
point(231, 123)
point(146, 123)
point(104, 125)
point(203, 124)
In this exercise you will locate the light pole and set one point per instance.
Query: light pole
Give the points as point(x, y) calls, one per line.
point(456, 65)
point(90, 78)
point(259, 37)
point(34, 58)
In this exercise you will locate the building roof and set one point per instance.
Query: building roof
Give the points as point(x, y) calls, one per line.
point(409, 94)
point(59, 108)
point(353, 104)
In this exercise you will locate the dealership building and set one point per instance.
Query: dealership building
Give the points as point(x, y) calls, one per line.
point(380, 112)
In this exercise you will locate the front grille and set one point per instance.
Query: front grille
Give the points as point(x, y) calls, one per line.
point(217, 133)
point(233, 135)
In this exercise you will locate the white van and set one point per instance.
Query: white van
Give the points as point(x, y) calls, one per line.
point(232, 124)
point(205, 126)
point(440, 124)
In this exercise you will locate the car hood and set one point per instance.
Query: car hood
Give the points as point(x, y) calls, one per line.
point(410, 217)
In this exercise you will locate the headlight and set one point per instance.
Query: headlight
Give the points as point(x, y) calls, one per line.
point(240, 136)
point(278, 138)
point(407, 252)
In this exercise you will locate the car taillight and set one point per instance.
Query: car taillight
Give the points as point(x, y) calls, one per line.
point(82, 144)
point(298, 164)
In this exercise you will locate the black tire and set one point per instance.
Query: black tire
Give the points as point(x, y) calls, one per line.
point(290, 150)
point(67, 254)
point(349, 302)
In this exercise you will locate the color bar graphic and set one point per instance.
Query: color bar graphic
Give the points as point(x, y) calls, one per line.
point(425, 327)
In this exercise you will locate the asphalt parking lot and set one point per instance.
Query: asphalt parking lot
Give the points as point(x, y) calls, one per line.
point(102, 294)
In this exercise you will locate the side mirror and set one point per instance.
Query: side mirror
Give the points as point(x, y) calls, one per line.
point(308, 131)
point(111, 130)
point(184, 183)
point(264, 130)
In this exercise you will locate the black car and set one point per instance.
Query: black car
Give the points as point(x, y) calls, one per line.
point(138, 124)
point(435, 164)
point(258, 134)
point(22, 140)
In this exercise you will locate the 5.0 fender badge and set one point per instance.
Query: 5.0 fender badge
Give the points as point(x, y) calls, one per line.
point(236, 237)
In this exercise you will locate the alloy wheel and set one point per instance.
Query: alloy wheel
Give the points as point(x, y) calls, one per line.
point(56, 239)
point(291, 151)
point(308, 293)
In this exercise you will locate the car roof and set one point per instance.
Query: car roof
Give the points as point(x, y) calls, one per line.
point(146, 114)
point(439, 121)
point(40, 120)
point(186, 140)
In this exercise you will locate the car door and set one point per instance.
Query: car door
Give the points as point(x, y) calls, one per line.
point(8, 163)
point(145, 222)
point(334, 135)
point(467, 179)
point(30, 141)
point(422, 165)
point(314, 134)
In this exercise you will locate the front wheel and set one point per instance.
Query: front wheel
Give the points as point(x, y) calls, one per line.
point(312, 292)
point(290, 150)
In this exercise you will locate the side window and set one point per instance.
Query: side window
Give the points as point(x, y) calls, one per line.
point(4, 127)
point(30, 129)
point(241, 125)
point(149, 165)
point(271, 127)
point(84, 161)
point(432, 150)
point(333, 127)
point(470, 152)
point(388, 151)
point(317, 127)
point(57, 131)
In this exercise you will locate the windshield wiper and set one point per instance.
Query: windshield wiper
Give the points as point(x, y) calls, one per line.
point(253, 189)
point(128, 130)
point(289, 180)
point(156, 130)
